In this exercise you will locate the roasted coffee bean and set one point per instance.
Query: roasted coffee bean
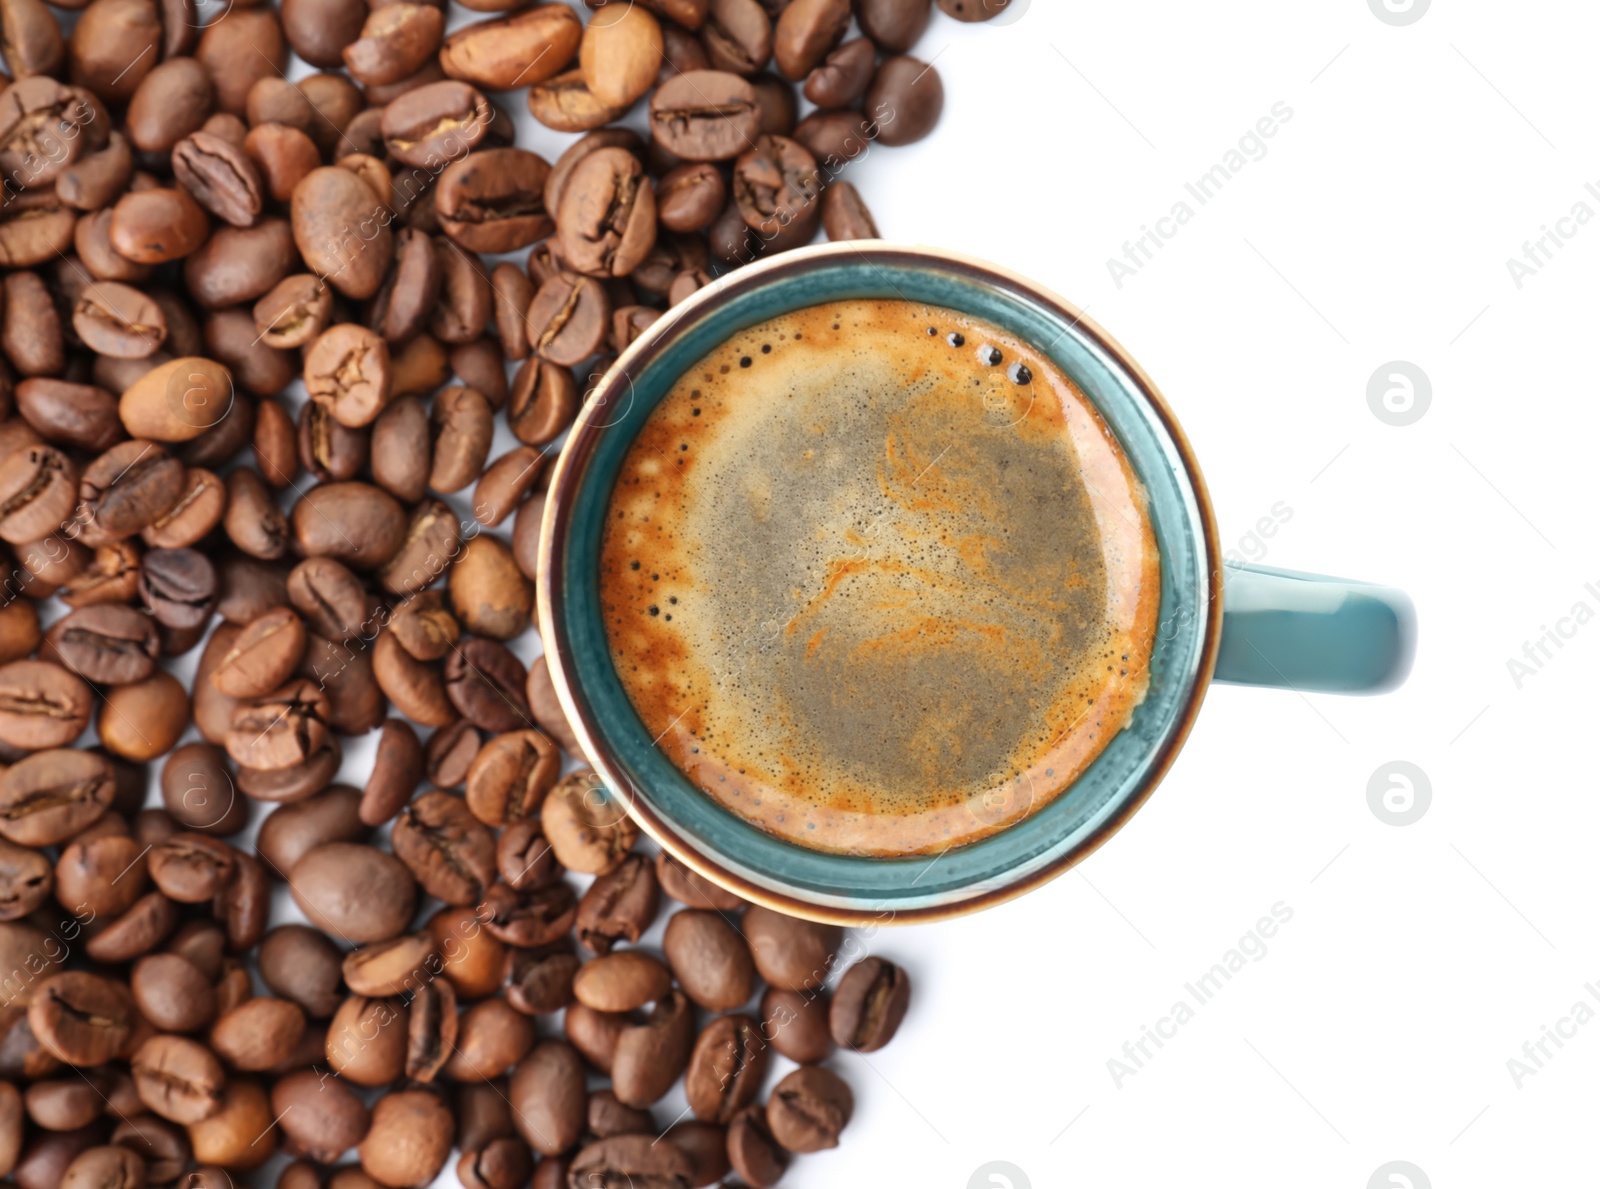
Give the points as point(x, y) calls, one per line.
point(264, 655)
point(191, 868)
point(127, 489)
point(973, 10)
point(327, 449)
point(513, 294)
point(493, 1036)
point(432, 539)
point(331, 599)
point(82, 1018)
point(321, 1117)
point(549, 1098)
point(175, 996)
point(78, 415)
point(38, 489)
point(537, 982)
point(319, 30)
point(291, 831)
point(804, 33)
point(620, 55)
point(119, 321)
point(529, 918)
point(894, 25)
point(221, 177)
point(391, 967)
point(842, 77)
point(484, 681)
point(609, 1117)
point(395, 41)
point(737, 36)
point(281, 730)
point(402, 452)
point(707, 115)
point(491, 597)
point(415, 687)
point(340, 225)
point(790, 953)
point(242, 1133)
point(64, 1104)
point(650, 1056)
point(109, 644)
point(546, 707)
point(424, 626)
point(465, 302)
point(566, 323)
point(607, 219)
point(690, 197)
point(809, 1108)
point(523, 49)
point(705, 1147)
point(356, 523)
point(844, 215)
point(912, 91)
point(503, 1163)
point(690, 888)
point(869, 1004)
point(157, 225)
point(776, 186)
point(587, 825)
point(450, 751)
point(347, 371)
point(461, 430)
point(26, 880)
point(303, 965)
point(144, 719)
point(294, 312)
point(628, 323)
point(100, 875)
point(44, 706)
point(178, 586)
point(621, 982)
point(253, 519)
point(259, 1033)
point(492, 200)
point(199, 793)
point(755, 1155)
point(397, 769)
point(639, 1160)
point(726, 1069)
point(710, 960)
point(566, 104)
point(354, 891)
point(199, 509)
point(439, 122)
point(504, 485)
point(282, 156)
point(448, 850)
point(619, 906)
point(49, 796)
point(410, 1137)
point(405, 303)
point(511, 774)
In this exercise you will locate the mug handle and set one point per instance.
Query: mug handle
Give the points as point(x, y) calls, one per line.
point(1311, 633)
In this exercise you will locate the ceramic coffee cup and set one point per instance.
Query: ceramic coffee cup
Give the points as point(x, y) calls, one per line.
point(1219, 621)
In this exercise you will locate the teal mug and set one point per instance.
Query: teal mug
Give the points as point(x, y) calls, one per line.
point(1219, 620)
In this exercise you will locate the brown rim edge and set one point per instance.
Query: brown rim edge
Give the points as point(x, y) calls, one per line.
point(574, 459)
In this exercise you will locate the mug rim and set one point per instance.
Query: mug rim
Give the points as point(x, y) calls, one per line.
point(566, 480)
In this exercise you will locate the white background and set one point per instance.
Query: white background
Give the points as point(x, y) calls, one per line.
point(1419, 959)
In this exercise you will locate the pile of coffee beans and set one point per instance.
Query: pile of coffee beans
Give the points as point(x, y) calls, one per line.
point(185, 237)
